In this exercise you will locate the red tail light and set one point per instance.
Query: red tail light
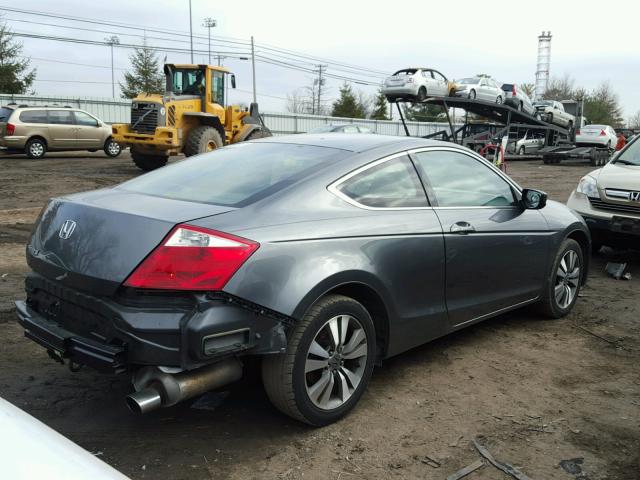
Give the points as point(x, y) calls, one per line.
point(578, 132)
point(602, 133)
point(10, 129)
point(513, 90)
point(192, 258)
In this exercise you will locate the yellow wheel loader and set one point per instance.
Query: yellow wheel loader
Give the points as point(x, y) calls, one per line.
point(190, 118)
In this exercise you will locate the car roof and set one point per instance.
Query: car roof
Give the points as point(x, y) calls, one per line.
point(359, 142)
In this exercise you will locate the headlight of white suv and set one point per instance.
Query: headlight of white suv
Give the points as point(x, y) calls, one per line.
point(588, 186)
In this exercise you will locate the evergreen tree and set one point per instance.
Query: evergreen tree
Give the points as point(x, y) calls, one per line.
point(380, 105)
point(146, 77)
point(15, 75)
point(422, 112)
point(348, 105)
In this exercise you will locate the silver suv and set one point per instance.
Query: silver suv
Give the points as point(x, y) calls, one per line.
point(36, 130)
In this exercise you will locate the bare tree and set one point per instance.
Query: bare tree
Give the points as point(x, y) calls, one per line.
point(560, 88)
point(296, 102)
point(634, 120)
point(528, 88)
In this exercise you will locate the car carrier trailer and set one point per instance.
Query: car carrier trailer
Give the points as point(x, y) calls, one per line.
point(505, 121)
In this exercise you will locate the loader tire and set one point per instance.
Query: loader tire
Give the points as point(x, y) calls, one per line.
point(202, 139)
point(148, 162)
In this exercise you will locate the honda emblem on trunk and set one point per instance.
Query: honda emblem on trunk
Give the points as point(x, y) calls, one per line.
point(67, 228)
point(634, 196)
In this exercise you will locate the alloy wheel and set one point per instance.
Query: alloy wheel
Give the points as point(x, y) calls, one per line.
point(113, 148)
point(336, 362)
point(567, 279)
point(36, 149)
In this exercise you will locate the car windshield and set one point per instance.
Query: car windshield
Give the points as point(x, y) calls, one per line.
point(630, 155)
point(236, 175)
point(5, 113)
point(544, 102)
point(188, 81)
point(601, 127)
point(468, 81)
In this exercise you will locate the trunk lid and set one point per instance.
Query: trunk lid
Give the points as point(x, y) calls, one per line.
point(93, 241)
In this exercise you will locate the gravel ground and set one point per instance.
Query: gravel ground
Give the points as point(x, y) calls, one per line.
point(549, 397)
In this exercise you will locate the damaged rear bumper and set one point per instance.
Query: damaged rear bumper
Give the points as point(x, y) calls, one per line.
point(127, 332)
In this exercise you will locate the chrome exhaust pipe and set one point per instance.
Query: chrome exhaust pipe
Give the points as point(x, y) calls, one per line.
point(156, 388)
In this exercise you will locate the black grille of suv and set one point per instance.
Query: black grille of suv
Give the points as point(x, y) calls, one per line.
point(614, 207)
point(144, 118)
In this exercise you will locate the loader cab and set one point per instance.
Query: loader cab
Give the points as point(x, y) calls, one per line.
point(207, 82)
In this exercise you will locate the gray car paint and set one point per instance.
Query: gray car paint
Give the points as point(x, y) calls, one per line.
point(311, 242)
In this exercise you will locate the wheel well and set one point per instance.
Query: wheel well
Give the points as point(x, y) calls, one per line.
point(39, 138)
point(585, 245)
point(370, 299)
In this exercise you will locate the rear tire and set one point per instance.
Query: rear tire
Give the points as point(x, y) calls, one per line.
point(521, 151)
point(148, 162)
point(111, 148)
point(302, 381)
point(35, 148)
point(563, 280)
point(472, 95)
point(202, 139)
point(499, 100)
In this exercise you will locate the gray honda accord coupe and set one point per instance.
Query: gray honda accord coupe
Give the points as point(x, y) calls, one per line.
point(322, 254)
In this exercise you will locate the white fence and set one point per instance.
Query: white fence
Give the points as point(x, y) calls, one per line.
point(118, 110)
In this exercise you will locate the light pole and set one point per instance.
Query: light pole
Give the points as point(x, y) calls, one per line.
point(253, 68)
point(191, 31)
point(210, 23)
point(112, 40)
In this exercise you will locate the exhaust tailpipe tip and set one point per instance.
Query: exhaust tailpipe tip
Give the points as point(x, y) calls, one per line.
point(144, 400)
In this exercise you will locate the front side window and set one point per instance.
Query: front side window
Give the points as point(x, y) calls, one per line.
point(33, 116)
point(85, 119)
point(391, 184)
point(459, 180)
point(60, 117)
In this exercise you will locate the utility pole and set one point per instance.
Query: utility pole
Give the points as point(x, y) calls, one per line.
point(209, 23)
point(320, 83)
point(253, 68)
point(112, 40)
point(190, 31)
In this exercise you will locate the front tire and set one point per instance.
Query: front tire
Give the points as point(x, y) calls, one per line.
point(35, 148)
point(563, 281)
point(499, 100)
point(148, 162)
point(422, 94)
point(472, 95)
point(202, 139)
point(521, 151)
point(327, 364)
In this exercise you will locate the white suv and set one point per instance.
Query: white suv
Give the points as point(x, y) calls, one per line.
point(416, 84)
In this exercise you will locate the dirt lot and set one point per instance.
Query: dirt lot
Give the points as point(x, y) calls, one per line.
point(536, 392)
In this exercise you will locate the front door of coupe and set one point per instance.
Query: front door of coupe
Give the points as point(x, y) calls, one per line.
point(496, 251)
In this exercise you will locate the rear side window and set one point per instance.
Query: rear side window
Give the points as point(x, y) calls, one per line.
point(33, 116)
point(63, 117)
point(5, 113)
point(236, 175)
point(391, 184)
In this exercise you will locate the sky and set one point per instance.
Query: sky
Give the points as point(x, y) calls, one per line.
point(591, 41)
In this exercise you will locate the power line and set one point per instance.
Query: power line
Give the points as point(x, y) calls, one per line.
point(231, 40)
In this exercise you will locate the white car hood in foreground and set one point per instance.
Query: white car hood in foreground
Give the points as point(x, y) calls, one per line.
point(29, 450)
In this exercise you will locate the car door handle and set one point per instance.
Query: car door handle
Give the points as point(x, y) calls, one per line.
point(462, 228)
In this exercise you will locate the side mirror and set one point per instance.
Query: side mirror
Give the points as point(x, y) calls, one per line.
point(233, 81)
point(533, 199)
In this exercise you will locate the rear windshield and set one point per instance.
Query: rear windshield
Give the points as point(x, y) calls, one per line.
point(323, 129)
point(409, 71)
point(236, 175)
point(5, 113)
point(507, 87)
point(468, 81)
